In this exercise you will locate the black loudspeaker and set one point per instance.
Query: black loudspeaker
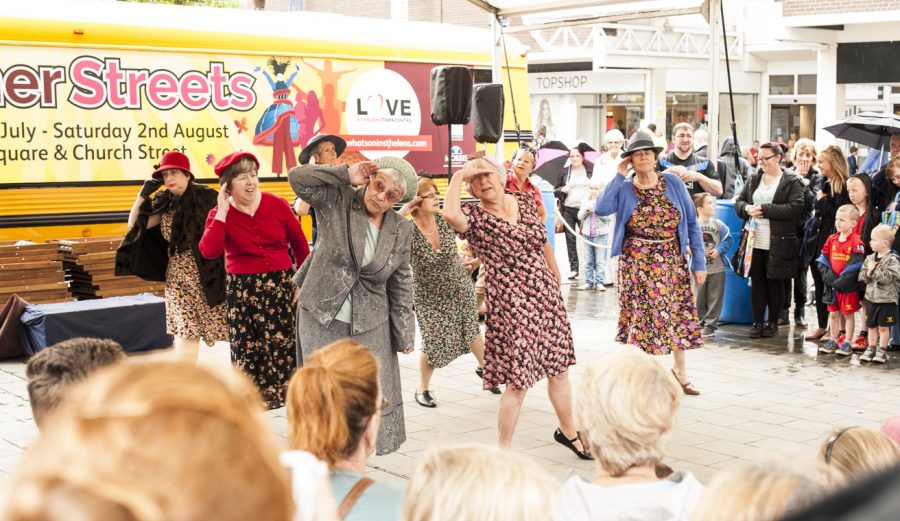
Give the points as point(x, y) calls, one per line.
point(487, 112)
point(451, 95)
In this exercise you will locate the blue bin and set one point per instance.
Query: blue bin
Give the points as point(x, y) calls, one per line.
point(550, 206)
point(736, 307)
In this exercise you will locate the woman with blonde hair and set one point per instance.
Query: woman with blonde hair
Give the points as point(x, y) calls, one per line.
point(763, 491)
point(856, 452)
point(478, 483)
point(160, 440)
point(803, 156)
point(334, 411)
point(443, 293)
point(528, 335)
point(832, 195)
point(627, 435)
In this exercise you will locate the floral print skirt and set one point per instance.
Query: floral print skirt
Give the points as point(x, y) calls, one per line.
point(657, 311)
point(261, 330)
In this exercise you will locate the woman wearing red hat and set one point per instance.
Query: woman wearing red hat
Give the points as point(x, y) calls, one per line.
point(255, 230)
point(195, 286)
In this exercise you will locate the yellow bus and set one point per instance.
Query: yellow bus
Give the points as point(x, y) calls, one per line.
point(92, 94)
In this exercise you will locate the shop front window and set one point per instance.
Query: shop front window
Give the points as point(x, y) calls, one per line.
point(791, 122)
point(806, 84)
point(692, 108)
point(781, 84)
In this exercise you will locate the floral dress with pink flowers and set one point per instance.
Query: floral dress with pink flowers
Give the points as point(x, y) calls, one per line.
point(657, 311)
point(528, 336)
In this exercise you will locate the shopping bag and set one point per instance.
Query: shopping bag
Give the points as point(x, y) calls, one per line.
point(743, 256)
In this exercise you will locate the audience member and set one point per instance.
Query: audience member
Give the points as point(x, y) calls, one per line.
point(52, 372)
point(763, 491)
point(856, 452)
point(477, 483)
point(595, 231)
point(627, 435)
point(717, 241)
point(839, 265)
point(156, 440)
point(698, 173)
point(881, 274)
point(334, 411)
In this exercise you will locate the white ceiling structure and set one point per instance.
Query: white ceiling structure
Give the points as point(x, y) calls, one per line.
point(582, 12)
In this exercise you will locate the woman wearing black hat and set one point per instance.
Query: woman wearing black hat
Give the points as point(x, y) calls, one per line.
point(774, 199)
point(656, 230)
point(322, 149)
point(571, 191)
point(195, 286)
point(255, 229)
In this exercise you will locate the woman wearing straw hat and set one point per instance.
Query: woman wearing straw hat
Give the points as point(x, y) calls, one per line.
point(529, 337)
point(358, 283)
point(255, 229)
point(656, 229)
point(195, 286)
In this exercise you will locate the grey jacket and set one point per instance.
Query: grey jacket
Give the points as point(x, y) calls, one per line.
point(381, 290)
point(884, 284)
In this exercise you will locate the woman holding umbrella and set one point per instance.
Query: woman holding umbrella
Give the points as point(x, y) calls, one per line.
point(571, 190)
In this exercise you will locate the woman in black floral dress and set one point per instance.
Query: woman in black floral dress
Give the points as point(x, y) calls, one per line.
point(528, 333)
point(255, 230)
point(444, 292)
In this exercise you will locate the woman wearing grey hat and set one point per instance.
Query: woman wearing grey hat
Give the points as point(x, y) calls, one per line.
point(358, 282)
point(656, 230)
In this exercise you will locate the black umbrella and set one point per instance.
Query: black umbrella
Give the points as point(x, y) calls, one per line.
point(867, 128)
point(553, 170)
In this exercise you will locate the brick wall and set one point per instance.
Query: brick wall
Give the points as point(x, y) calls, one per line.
point(815, 7)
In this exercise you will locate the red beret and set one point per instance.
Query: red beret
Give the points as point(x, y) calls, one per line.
point(231, 159)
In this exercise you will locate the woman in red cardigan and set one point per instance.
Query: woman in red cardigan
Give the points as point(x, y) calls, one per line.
point(255, 230)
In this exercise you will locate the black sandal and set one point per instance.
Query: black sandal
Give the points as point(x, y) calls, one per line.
point(570, 444)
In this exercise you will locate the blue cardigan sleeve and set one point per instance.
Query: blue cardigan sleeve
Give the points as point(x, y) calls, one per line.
point(725, 240)
point(608, 202)
point(695, 236)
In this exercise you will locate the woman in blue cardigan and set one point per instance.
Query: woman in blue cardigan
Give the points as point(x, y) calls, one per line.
point(656, 230)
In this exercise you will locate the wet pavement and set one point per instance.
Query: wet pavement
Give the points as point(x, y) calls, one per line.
point(761, 399)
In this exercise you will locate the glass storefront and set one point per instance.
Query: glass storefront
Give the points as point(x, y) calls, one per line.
point(790, 122)
point(692, 108)
point(601, 113)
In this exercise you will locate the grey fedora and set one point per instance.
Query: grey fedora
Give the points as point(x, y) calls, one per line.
point(641, 140)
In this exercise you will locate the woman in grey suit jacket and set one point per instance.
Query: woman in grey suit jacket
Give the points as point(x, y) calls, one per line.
point(358, 282)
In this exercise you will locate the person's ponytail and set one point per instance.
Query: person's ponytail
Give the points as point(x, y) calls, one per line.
point(331, 400)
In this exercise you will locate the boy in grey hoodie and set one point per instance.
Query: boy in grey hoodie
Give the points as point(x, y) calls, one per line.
point(881, 273)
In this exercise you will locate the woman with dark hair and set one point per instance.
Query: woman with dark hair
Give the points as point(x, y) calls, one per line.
point(255, 230)
point(571, 190)
point(832, 196)
point(774, 200)
point(195, 286)
point(656, 229)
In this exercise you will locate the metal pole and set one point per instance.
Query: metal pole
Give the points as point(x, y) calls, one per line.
point(497, 76)
point(737, 146)
point(712, 148)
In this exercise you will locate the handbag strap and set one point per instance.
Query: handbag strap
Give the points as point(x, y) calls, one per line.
point(353, 496)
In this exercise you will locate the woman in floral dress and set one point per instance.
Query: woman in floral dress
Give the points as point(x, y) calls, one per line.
point(656, 228)
point(195, 287)
point(528, 333)
point(444, 293)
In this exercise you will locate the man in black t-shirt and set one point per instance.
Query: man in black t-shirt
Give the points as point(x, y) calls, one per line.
point(698, 173)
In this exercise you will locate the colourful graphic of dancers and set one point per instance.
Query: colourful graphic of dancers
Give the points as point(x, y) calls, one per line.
point(279, 127)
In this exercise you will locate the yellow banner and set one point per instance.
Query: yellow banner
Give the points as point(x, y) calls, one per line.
point(84, 115)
